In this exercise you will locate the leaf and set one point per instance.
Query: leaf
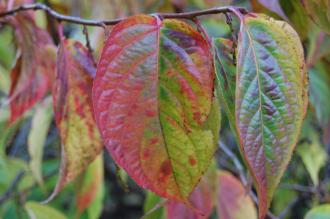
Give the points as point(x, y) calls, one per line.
point(41, 121)
point(225, 77)
point(202, 199)
point(72, 98)
point(319, 12)
point(319, 212)
point(32, 74)
point(313, 156)
point(39, 211)
point(90, 192)
point(274, 6)
point(233, 202)
point(152, 95)
point(271, 99)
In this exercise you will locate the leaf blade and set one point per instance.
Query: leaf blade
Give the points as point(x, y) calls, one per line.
point(157, 68)
point(271, 99)
point(72, 101)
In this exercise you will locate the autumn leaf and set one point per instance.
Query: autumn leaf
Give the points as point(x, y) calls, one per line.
point(72, 98)
point(271, 99)
point(152, 96)
point(32, 74)
point(233, 202)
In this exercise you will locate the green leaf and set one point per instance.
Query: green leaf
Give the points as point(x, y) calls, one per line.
point(319, 212)
point(313, 156)
point(39, 211)
point(41, 121)
point(152, 98)
point(271, 99)
point(225, 77)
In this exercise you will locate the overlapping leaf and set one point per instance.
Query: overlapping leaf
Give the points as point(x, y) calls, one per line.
point(233, 202)
point(72, 96)
point(271, 99)
point(200, 198)
point(35, 64)
point(152, 97)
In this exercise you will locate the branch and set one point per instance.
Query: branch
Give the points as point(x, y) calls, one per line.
point(101, 23)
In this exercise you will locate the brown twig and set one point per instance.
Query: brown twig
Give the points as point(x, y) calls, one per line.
point(101, 23)
point(88, 45)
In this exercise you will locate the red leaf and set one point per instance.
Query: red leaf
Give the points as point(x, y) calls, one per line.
point(152, 95)
point(33, 71)
point(233, 201)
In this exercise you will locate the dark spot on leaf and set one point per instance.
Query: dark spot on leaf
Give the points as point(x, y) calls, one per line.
point(165, 170)
point(192, 160)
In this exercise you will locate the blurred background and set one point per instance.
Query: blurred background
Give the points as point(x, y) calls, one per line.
point(30, 149)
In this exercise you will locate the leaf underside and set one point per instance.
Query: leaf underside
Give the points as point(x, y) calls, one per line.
point(152, 96)
point(271, 99)
point(72, 97)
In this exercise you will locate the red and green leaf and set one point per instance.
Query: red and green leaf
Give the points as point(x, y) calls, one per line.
point(32, 74)
point(233, 202)
point(271, 99)
point(152, 96)
point(72, 95)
